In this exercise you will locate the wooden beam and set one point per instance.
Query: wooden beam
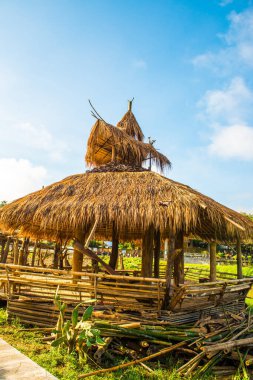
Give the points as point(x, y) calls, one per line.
point(213, 261)
point(239, 259)
point(78, 247)
point(113, 153)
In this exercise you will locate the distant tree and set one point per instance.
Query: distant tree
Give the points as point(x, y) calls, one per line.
point(250, 216)
point(2, 203)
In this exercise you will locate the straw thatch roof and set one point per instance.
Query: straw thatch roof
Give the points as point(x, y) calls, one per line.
point(104, 137)
point(129, 124)
point(132, 200)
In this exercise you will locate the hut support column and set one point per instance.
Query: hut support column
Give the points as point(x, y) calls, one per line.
point(147, 252)
point(6, 250)
point(57, 253)
point(170, 261)
point(239, 259)
point(77, 261)
point(34, 253)
point(179, 260)
point(157, 248)
point(166, 247)
point(115, 247)
point(16, 251)
point(213, 261)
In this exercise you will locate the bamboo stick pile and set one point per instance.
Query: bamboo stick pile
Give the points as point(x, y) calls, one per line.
point(222, 345)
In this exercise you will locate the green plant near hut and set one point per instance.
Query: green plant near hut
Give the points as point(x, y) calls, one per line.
point(77, 335)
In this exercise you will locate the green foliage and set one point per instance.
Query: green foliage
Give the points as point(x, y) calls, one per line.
point(76, 335)
point(128, 245)
point(3, 316)
point(3, 203)
point(250, 216)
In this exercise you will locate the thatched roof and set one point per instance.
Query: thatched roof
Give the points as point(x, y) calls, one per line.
point(132, 200)
point(104, 137)
point(129, 124)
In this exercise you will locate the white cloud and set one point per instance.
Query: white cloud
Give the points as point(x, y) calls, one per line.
point(232, 104)
point(19, 178)
point(235, 141)
point(34, 137)
point(228, 112)
point(238, 46)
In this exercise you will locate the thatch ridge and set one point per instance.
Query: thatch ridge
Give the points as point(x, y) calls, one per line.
point(132, 200)
point(129, 124)
point(104, 137)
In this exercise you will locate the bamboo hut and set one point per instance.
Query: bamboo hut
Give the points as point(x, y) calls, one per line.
point(119, 199)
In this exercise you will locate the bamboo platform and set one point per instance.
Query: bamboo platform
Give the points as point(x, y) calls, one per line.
point(16, 366)
point(30, 292)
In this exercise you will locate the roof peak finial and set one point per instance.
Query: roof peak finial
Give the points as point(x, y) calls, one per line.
point(130, 104)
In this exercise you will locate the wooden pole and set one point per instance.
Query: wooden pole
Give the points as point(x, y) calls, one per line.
point(169, 267)
point(147, 252)
point(34, 253)
point(88, 252)
point(239, 259)
point(115, 247)
point(16, 251)
point(77, 260)
point(132, 363)
point(213, 261)
point(157, 248)
point(179, 260)
point(166, 248)
point(2, 249)
point(113, 153)
point(6, 250)
point(26, 251)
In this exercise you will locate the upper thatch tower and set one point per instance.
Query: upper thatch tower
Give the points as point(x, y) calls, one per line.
point(122, 145)
point(129, 124)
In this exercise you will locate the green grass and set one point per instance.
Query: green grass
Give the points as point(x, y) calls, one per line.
point(65, 366)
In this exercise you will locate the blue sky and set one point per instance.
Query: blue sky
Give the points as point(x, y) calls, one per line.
point(187, 63)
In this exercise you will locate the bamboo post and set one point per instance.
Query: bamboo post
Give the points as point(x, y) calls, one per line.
point(16, 251)
point(6, 250)
point(157, 248)
point(2, 249)
point(34, 253)
point(77, 260)
point(169, 267)
point(113, 153)
point(166, 248)
point(56, 256)
point(26, 250)
point(115, 247)
point(239, 259)
point(39, 254)
point(213, 261)
point(179, 260)
point(147, 252)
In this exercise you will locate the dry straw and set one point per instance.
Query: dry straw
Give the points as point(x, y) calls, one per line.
point(132, 200)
